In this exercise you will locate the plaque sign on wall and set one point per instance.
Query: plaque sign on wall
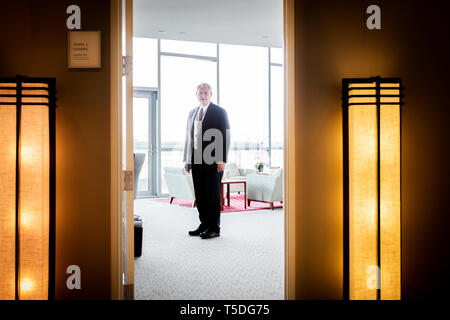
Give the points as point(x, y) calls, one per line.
point(85, 49)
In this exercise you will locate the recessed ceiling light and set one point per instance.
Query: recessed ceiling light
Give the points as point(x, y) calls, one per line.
point(265, 37)
point(182, 33)
point(162, 31)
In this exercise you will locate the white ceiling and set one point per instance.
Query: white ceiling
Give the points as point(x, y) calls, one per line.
point(244, 22)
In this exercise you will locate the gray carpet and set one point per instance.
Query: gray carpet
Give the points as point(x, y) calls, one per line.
point(245, 262)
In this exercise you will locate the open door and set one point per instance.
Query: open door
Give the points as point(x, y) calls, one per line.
point(122, 158)
point(127, 149)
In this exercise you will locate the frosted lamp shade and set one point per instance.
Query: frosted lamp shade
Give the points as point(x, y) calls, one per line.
point(25, 172)
point(372, 107)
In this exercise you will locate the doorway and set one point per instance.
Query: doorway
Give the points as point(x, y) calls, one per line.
point(288, 157)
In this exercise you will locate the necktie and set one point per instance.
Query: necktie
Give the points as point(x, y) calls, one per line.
point(199, 130)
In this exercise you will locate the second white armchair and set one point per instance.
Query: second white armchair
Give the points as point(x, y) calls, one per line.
point(265, 188)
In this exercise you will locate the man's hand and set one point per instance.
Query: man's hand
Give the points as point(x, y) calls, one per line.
point(186, 167)
point(220, 166)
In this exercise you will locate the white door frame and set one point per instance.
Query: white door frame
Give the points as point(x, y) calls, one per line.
point(117, 289)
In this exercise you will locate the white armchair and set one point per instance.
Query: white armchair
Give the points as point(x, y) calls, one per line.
point(180, 184)
point(233, 172)
point(265, 188)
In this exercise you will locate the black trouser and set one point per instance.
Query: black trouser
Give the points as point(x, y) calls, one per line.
point(207, 183)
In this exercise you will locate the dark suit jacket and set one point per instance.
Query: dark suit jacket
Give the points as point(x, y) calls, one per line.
point(215, 118)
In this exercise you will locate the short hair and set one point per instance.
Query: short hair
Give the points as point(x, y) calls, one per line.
point(203, 85)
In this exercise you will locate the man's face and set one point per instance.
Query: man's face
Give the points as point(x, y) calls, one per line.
point(204, 96)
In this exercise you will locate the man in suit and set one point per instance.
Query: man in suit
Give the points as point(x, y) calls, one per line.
point(205, 153)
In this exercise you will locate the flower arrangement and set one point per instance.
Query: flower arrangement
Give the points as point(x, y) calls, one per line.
point(259, 166)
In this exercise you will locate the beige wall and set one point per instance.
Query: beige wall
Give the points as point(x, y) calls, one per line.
point(332, 42)
point(34, 44)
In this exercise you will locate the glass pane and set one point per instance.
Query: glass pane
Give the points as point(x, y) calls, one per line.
point(244, 85)
point(179, 80)
point(276, 55)
point(141, 138)
point(145, 62)
point(277, 114)
point(189, 47)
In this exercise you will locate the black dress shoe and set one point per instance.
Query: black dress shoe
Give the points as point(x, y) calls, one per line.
point(196, 232)
point(209, 234)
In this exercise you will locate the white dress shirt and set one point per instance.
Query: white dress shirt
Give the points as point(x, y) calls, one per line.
point(198, 125)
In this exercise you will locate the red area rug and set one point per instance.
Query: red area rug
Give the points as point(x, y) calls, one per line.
point(236, 203)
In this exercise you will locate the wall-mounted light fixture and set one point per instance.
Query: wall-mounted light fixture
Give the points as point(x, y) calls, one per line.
point(372, 188)
point(27, 188)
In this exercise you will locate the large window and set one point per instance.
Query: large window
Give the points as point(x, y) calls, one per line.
point(247, 81)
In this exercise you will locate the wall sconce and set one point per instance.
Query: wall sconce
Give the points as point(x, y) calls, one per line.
point(372, 188)
point(27, 188)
